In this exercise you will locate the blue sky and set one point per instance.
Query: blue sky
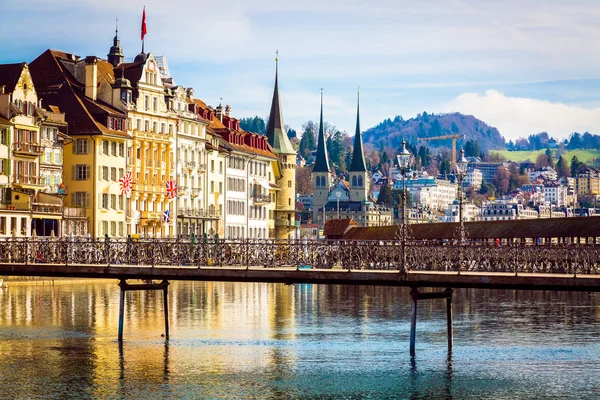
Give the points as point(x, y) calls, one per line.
point(522, 66)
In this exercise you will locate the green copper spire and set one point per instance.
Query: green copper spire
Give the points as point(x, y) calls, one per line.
point(358, 156)
point(322, 160)
point(276, 132)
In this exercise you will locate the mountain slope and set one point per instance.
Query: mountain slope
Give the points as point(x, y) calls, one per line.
point(391, 132)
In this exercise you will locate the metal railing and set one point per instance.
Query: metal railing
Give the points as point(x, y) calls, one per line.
point(28, 148)
point(573, 259)
point(198, 212)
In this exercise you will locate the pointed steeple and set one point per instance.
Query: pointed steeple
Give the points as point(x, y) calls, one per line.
point(322, 160)
point(115, 55)
point(358, 156)
point(276, 132)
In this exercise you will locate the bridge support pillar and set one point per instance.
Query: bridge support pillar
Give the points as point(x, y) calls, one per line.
point(164, 286)
point(416, 296)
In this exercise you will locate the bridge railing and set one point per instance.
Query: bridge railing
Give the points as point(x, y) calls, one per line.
point(307, 254)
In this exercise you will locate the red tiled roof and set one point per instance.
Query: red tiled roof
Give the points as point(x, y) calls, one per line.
point(46, 71)
point(526, 228)
point(9, 75)
point(336, 228)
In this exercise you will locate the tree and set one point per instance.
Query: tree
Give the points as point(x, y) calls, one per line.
point(303, 180)
point(575, 165)
point(308, 142)
point(256, 125)
point(502, 179)
point(445, 167)
point(562, 168)
point(385, 195)
point(472, 148)
point(291, 133)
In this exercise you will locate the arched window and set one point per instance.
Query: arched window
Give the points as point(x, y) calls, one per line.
point(354, 180)
point(360, 181)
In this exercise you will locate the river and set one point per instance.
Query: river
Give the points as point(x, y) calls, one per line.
point(234, 340)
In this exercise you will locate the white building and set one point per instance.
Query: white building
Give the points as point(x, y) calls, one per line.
point(470, 212)
point(473, 179)
point(430, 192)
point(501, 211)
point(556, 194)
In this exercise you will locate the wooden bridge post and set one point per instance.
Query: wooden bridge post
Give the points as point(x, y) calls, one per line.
point(164, 285)
point(122, 285)
point(449, 316)
point(166, 306)
point(416, 296)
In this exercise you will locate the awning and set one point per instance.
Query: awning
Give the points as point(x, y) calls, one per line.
point(264, 184)
point(46, 216)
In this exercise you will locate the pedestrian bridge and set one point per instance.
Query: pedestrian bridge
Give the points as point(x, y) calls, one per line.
point(412, 263)
point(417, 263)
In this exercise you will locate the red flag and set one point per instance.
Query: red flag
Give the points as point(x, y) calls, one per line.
point(144, 30)
point(532, 190)
point(171, 189)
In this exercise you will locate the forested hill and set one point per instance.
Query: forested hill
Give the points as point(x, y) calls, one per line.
point(391, 132)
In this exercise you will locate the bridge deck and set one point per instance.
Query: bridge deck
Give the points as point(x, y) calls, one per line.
point(292, 275)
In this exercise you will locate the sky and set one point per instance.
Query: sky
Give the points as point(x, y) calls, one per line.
point(522, 66)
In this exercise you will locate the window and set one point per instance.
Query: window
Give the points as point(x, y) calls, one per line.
point(81, 172)
point(104, 147)
point(146, 126)
point(146, 100)
point(121, 150)
point(113, 148)
point(154, 103)
point(212, 186)
point(113, 174)
point(104, 201)
point(155, 127)
point(212, 165)
point(139, 124)
point(289, 184)
point(81, 199)
point(220, 167)
point(3, 136)
point(113, 201)
point(81, 146)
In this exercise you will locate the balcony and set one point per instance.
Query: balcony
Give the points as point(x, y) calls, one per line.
point(27, 149)
point(261, 199)
point(151, 215)
point(199, 213)
point(42, 208)
point(15, 205)
point(27, 180)
point(284, 222)
point(74, 212)
point(190, 164)
point(196, 192)
point(182, 190)
point(201, 168)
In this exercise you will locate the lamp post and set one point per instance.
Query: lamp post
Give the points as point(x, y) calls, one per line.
point(403, 164)
point(461, 172)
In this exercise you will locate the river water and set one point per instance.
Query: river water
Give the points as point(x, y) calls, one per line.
point(233, 340)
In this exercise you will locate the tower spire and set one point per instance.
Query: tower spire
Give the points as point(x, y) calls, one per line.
point(115, 55)
point(276, 132)
point(358, 155)
point(322, 160)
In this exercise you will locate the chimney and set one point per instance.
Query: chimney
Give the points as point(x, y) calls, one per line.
point(91, 77)
point(219, 112)
point(228, 110)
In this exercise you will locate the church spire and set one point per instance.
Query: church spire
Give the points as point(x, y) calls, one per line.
point(276, 132)
point(358, 156)
point(115, 55)
point(322, 160)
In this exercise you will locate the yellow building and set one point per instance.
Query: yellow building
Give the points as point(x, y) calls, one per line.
point(27, 205)
point(153, 123)
point(95, 159)
point(588, 183)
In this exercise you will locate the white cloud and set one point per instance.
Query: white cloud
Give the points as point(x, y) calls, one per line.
point(520, 117)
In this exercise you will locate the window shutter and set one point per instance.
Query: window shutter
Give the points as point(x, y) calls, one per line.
point(74, 172)
point(87, 172)
point(87, 200)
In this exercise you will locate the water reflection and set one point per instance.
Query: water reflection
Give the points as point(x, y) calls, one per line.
point(303, 341)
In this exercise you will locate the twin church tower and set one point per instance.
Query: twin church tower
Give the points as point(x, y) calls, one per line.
point(344, 199)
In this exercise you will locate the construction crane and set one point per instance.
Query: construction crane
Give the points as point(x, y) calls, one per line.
point(453, 137)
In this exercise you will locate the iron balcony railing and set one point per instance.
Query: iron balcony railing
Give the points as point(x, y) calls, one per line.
point(572, 259)
point(28, 148)
point(199, 212)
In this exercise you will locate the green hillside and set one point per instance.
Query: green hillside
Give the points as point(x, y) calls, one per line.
point(586, 156)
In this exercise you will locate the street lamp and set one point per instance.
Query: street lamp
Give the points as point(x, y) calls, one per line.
point(338, 194)
point(461, 172)
point(404, 165)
